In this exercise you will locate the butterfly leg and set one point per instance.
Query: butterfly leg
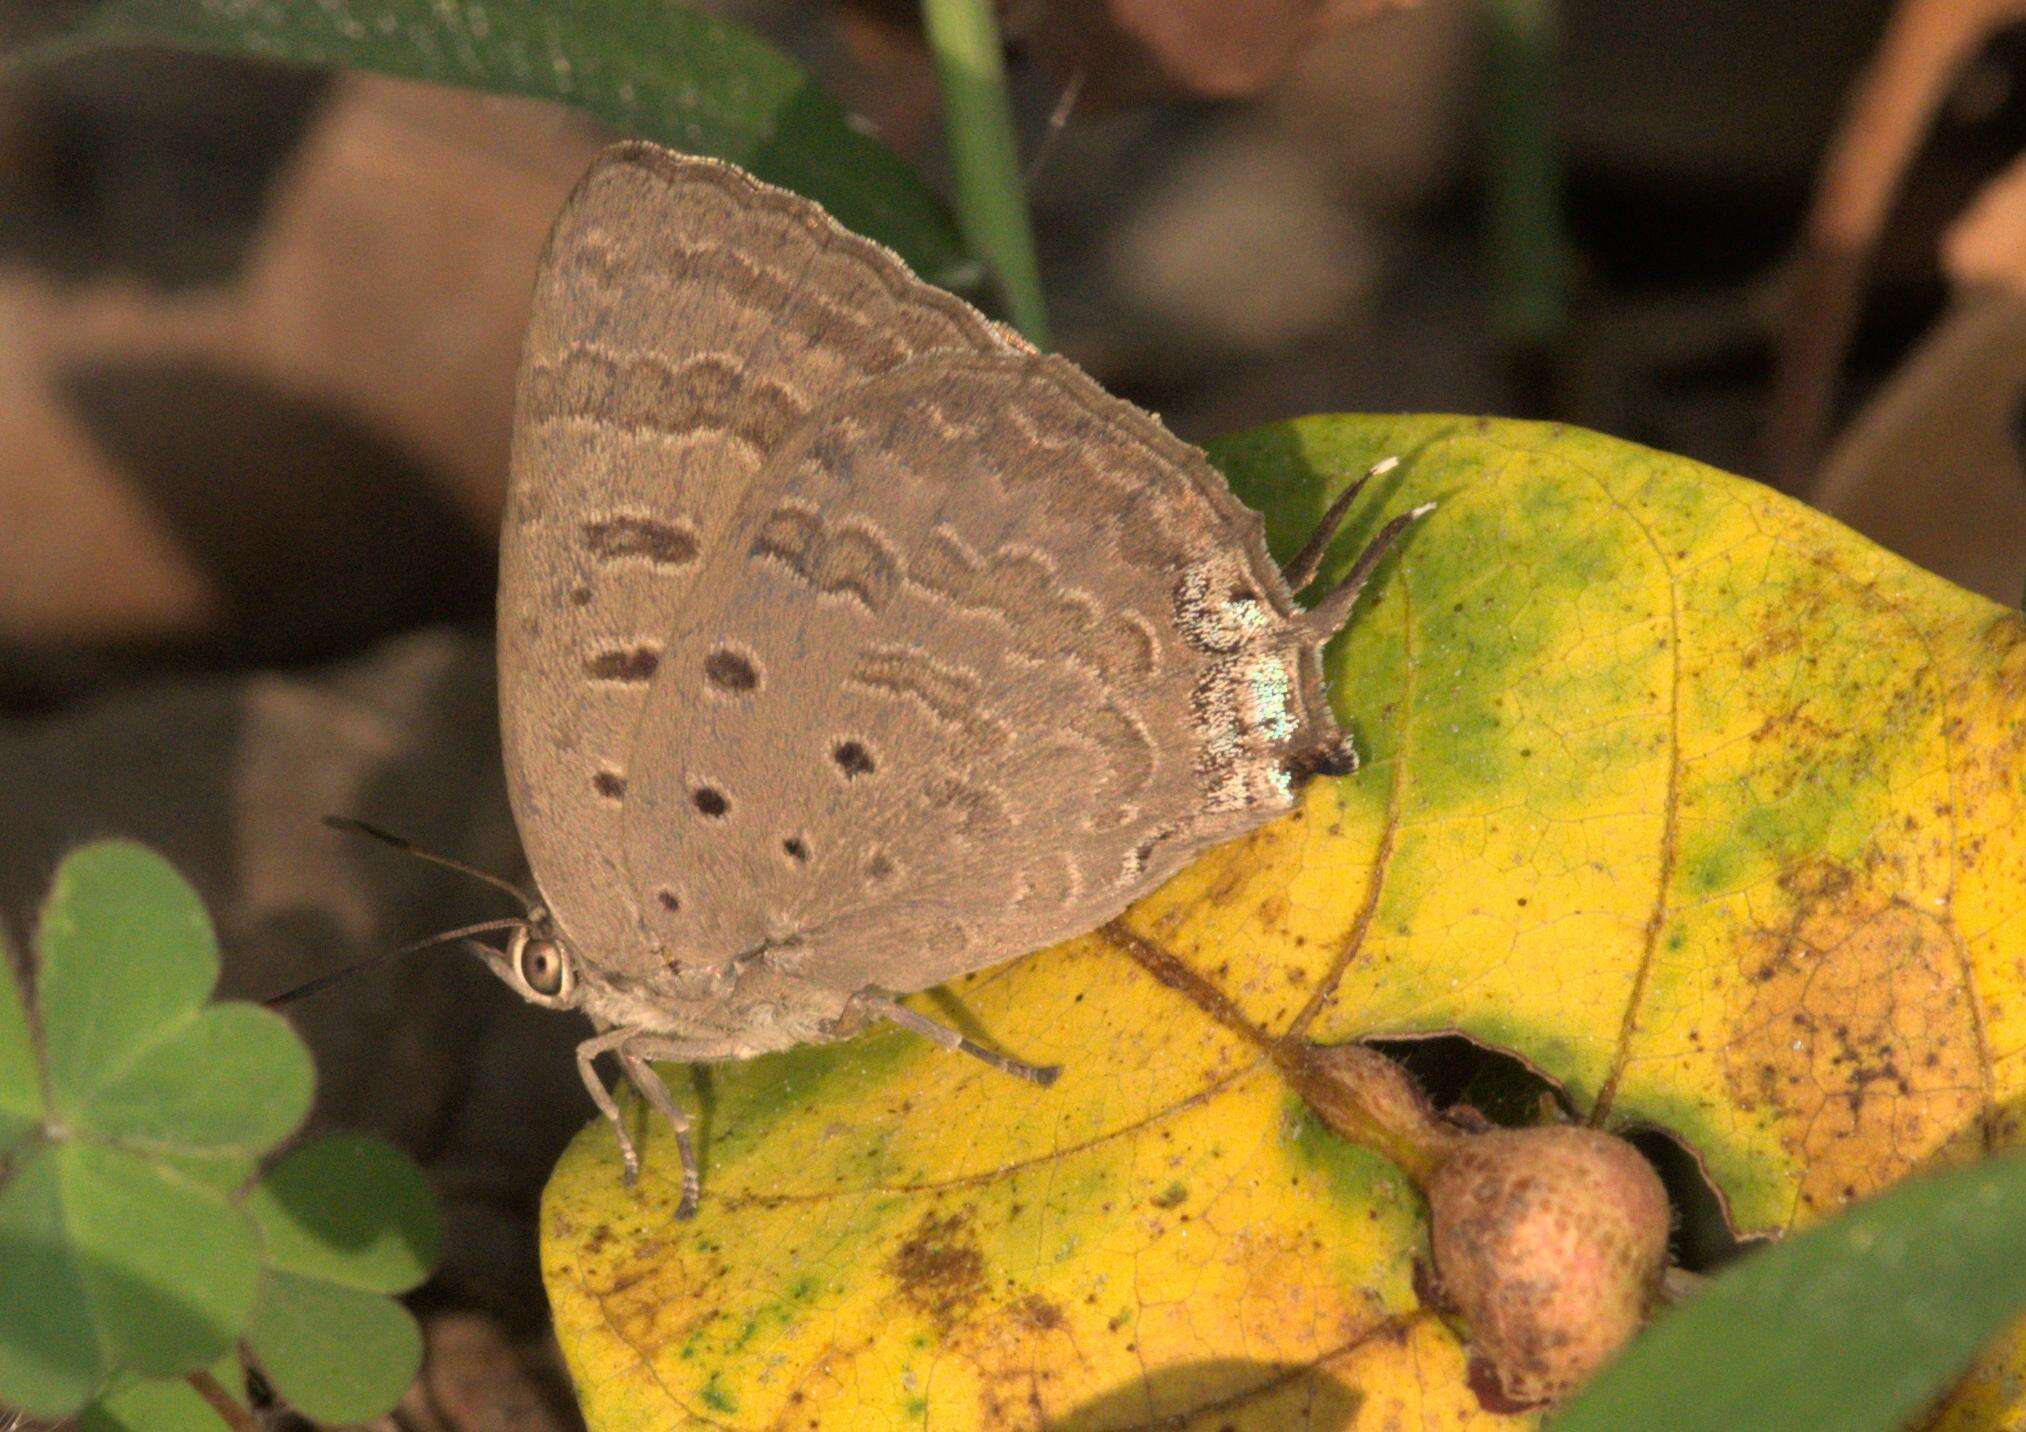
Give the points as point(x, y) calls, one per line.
point(1327, 617)
point(1309, 560)
point(891, 1009)
point(656, 1093)
point(587, 1053)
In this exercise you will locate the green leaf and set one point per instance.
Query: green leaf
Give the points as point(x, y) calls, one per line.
point(334, 1354)
point(1855, 1324)
point(228, 1172)
point(104, 1258)
point(350, 1210)
point(1666, 788)
point(128, 957)
point(51, 1359)
point(152, 1405)
point(230, 1375)
point(170, 1267)
point(345, 1219)
point(126, 951)
point(661, 71)
point(20, 1081)
point(124, 1248)
point(234, 1076)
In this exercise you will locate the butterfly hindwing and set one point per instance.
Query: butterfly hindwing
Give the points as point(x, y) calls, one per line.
point(985, 655)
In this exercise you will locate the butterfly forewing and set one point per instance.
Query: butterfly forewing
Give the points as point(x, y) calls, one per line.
point(685, 319)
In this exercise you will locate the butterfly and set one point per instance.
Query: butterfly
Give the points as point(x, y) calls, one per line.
point(846, 642)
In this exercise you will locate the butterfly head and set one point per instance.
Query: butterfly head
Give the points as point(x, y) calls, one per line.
point(537, 964)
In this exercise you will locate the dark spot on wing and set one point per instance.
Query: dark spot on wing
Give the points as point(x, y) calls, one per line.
point(852, 758)
point(610, 785)
point(635, 665)
point(665, 544)
point(729, 671)
point(711, 801)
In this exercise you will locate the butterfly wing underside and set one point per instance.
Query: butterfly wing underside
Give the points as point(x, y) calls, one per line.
point(686, 318)
point(986, 654)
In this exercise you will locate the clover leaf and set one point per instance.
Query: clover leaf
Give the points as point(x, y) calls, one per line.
point(345, 1221)
point(130, 1108)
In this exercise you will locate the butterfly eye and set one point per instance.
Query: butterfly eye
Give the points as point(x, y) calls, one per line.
point(543, 968)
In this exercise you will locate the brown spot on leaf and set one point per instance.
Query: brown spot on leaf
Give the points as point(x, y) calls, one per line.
point(939, 1268)
point(1859, 1039)
point(1037, 1313)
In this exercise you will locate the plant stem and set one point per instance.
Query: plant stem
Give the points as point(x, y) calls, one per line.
point(222, 1402)
point(1528, 244)
point(1363, 1096)
point(991, 200)
point(1925, 48)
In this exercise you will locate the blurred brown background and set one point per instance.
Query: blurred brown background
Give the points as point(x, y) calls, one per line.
point(258, 329)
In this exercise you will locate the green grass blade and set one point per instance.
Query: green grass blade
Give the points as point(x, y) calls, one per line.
point(660, 71)
point(1852, 1326)
point(1527, 235)
point(991, 191)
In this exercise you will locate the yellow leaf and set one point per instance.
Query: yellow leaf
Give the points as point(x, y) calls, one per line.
point(1705, 806)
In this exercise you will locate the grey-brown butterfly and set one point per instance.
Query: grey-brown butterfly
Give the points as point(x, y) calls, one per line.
point(847, 643)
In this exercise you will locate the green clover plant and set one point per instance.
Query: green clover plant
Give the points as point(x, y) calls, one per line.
point(142, 1256)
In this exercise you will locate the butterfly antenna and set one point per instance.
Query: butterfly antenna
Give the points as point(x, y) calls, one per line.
point(404, 844)
point(310, 987)
point(1328, 616)
point(1301, 570)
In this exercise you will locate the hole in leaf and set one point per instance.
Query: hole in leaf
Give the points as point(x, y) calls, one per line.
point(1702, 1238)
point(1457, 1071)
point(1454, 1069)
